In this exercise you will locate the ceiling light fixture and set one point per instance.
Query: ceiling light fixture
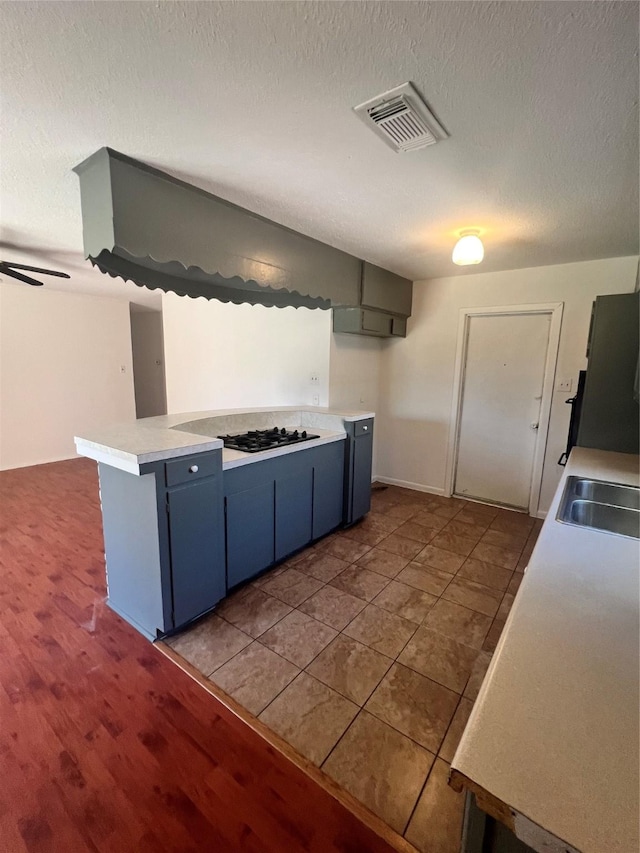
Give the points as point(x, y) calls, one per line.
point(468, 249)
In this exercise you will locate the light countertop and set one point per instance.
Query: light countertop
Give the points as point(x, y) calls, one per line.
point(554, 731)
point(131, 444)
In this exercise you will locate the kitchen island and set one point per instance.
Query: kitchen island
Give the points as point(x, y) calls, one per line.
point(186, 519)
point(550, 751)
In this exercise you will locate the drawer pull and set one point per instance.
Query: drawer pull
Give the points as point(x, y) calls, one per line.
point(365, 428)
point(193, 469)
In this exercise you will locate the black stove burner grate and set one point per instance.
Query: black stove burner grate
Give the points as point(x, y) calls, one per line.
point(265, 439)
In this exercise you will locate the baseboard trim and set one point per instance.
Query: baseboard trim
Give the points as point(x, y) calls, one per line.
point(405, 484)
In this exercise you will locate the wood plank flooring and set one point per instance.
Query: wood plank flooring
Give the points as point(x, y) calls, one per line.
point(105, 745)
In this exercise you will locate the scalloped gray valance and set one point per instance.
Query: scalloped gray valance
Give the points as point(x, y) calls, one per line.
point(145, 226)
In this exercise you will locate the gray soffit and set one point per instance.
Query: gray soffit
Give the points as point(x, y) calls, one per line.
point(148, 227)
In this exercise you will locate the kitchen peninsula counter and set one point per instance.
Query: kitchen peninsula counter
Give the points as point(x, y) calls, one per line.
point(130, 445)
point(551, 747)
point(187, 520)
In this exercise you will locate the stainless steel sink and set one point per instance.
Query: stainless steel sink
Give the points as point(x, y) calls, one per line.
point(610, 507)
point(607, 493)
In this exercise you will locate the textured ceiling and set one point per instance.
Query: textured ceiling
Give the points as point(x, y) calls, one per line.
point(253, 102)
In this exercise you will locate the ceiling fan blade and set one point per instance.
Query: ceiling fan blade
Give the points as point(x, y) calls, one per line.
point(6, 270)
point(34, 269)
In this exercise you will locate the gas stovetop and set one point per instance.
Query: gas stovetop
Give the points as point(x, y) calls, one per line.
point(265, 439)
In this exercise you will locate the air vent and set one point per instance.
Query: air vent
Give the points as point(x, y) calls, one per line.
point(402, 119)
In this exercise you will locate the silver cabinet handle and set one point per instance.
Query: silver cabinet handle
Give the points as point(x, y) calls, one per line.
point(365, 428)
point(193, 469)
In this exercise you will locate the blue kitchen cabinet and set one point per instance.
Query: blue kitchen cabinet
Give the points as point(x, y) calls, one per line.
point(274, 507)
point(293, 512)
point(357, 499)
point(250, 519)
point(197, 575)
point(328, 488)
point(164, 540)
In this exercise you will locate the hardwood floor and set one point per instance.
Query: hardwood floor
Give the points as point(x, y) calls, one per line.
point(105, 745)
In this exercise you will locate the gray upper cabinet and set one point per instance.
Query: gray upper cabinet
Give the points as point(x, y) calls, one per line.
point(385, 291)
point(385, 304)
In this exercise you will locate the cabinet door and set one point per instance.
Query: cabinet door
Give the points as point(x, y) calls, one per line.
point(362, 456)
point(293, 512)
point(328, 489)
point(250, 532)
point(197, 550)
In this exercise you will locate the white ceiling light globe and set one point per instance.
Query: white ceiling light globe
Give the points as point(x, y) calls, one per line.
point(468, 249)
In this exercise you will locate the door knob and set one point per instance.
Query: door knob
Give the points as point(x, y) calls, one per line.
point(534, 425)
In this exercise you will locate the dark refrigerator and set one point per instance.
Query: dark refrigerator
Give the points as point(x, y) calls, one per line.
point(605, 411)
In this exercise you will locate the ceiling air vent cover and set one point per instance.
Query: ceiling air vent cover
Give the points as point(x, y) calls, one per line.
point(402, 119)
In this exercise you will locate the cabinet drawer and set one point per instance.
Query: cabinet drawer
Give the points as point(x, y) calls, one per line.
point(363, 427)
point(189, 468)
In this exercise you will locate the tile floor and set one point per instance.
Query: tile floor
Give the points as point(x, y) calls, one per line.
point(367, 650)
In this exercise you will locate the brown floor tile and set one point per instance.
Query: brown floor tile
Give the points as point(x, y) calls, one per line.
point(292, 587)
point(333, 607)
point(505, 606)
point(408, 602)
point(321, 566)
point(253, 611)
point(382, 631)
point(510, 541)
point(478, 673)
point(360, 582)
point(402, 512)
point(412, 530)
point(383, 562)
point(449, 509)
point(298, 638)
point(467, 529)
point(455, 730)
point(436, 824)
point(381, 767)
point(310, 716)
point(439, 658)
point(498, 556)
point(459, 623)
point(430, 520)
point(401, 545)
point(346, 549)
point(378, 521)
point(452, 542)
point(424, 578)
point(473, 595)
point(493, 635)
point(493, 576)
point(438, 558)
point(370, 536)
point(209, 643)
point(475, 516)
point(415, 705)
point(255, 676)
point(350, 667)
point(512, 522)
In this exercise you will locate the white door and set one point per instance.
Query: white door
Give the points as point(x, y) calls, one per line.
point(501, 400)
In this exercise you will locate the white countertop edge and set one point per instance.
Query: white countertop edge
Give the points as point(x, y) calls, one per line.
point(571, 772)
point(131, 462)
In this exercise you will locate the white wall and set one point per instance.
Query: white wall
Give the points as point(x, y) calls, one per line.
point(354, 377)
point(147, 344)
point(221, 355)
point(417, 373)
point(60, 358)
